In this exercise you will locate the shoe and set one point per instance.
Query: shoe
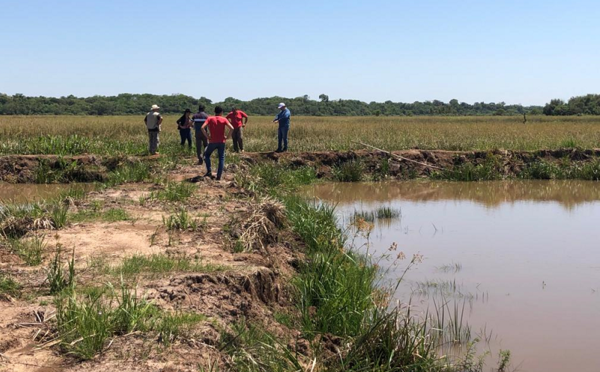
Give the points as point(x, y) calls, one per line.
point(200, 162)
point(209, 175)
point(278, 150)
point(218, 178)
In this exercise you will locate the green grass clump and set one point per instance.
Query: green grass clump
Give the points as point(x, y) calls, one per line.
point(31, 250)
point(350, 171)
point(253, 349)
point(175, 191)
point(136, 171)
point(9, 286)
point(160, 264)
point(115, 215)
point(86, 322)
point(382, 213)
point(275, 178)
point(490, 169)
point(182, 220)
point(564, 169)
point(58, 277)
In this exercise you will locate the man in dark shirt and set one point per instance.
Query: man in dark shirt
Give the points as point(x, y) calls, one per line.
point(201, 140)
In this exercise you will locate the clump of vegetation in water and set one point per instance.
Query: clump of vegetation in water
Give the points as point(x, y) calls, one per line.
point(350, 171)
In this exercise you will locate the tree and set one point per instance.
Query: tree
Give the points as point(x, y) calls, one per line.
point(324, 97)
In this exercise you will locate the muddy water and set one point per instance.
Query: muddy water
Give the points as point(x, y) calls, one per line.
point(25, 193)
point(524, 256)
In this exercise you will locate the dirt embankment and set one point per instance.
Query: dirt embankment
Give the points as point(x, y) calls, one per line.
point(510, 163)
point(249, 281)
point(89, 168)
point(54, 168)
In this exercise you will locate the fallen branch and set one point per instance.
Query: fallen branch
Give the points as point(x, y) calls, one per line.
point(399, 156)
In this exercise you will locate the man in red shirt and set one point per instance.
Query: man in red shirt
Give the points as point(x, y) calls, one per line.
point(238, 120)
point(216, 125)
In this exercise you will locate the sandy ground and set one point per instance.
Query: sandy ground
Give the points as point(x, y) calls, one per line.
point(252, 284)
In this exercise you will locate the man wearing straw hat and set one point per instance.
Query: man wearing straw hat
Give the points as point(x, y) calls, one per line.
point(153, 121)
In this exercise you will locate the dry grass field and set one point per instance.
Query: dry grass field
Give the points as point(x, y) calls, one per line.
point(127, 135)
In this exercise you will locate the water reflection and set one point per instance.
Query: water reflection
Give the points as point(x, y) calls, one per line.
point(568, 193)
point(520, 259)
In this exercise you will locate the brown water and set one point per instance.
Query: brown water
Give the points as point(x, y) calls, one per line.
point(526, 258)
point(26, 193)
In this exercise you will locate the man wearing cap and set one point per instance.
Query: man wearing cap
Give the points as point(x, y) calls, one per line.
point(283, 118)
point(153, 121)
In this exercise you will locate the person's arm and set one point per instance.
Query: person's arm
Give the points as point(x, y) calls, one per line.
point(230, 129)
point(229, 117)
point(146, 119)
point(287, 114)
point(244, 118)
point(203, 129)
point(276, 118)
point(160, 120)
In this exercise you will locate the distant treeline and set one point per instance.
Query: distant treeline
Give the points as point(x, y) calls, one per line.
point(138, 104)
point(583, 105)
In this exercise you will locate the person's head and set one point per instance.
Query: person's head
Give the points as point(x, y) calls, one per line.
point(234, 109)
point(201, 108)
point(281, 106)
point(218, 110)
point(187, 112)
point(155, 108)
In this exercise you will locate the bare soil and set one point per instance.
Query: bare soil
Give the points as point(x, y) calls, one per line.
point(252, 285)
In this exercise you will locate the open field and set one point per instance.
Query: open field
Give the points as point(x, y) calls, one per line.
point(111, 135)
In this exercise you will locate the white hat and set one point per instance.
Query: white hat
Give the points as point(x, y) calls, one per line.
point(155, 107)
point(281, 105)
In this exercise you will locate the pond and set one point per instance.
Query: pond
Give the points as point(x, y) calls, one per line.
point(524, 256)
point(26, 193)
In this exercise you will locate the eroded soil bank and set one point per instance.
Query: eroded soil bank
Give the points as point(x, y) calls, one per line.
point(503, 163)
point(229, 283)
point(421, 163)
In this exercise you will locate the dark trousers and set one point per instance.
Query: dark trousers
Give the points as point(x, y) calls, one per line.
point(186, 136)
point(220, 147)
point(238, 140)
point(282, 138)
point(201, 142)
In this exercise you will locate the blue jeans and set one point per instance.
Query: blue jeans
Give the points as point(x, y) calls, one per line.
point(282, 136)
point(220, 147)
point(186, 135)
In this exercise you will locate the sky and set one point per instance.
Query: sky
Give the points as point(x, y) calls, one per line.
point(519, 52)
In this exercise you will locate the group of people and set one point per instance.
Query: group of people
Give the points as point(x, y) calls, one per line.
point(211, 132)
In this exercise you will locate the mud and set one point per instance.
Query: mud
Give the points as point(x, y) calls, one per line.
point(252, 285)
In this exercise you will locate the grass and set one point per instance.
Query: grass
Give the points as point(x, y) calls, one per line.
point(85, 322)
point(160, 264)
point(253, 349)
point(126, 135)
point(381, 213)
point(174, 191)
point(30, 250)
point(58, 276)
point(9, 286)
point(350, 171)
point(181, 220)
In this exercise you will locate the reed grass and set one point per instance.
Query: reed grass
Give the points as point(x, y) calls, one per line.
point(9, 286)
point(160, 264)
point(112, 135)
point(86, 322)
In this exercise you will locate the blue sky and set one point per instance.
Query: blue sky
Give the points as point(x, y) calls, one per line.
point(526, 51)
